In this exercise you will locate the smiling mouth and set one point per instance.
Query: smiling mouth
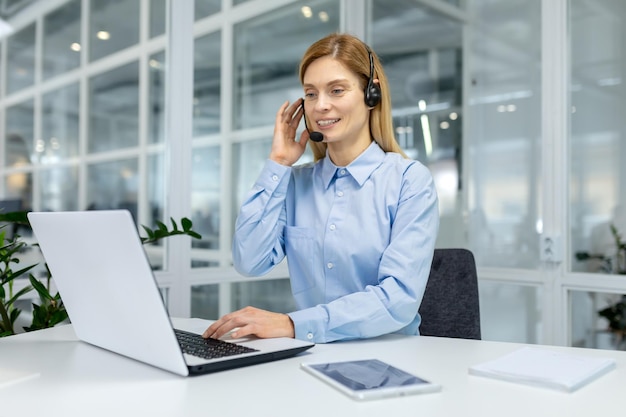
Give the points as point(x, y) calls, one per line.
point(325, 123)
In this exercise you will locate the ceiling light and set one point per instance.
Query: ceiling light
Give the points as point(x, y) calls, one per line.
point(103, 35)
point(323, 16)
point(428, 140)
point(75, 47)
point(306, 12)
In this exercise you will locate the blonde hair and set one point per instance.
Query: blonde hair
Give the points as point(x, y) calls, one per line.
point(354, 54)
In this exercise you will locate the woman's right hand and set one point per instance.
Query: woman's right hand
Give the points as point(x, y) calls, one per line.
point(285, 149)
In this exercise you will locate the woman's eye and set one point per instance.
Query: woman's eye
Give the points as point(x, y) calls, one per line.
point(337, 91)
point(309, 96)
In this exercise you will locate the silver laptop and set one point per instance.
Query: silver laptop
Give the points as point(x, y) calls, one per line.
point(101, 270)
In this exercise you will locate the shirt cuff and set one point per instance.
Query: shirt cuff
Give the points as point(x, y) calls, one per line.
point(308, 325)
point(272, 174)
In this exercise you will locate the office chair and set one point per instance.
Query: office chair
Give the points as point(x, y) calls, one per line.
point(450, 304)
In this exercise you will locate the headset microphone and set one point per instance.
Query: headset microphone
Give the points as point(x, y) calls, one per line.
point(314, 136)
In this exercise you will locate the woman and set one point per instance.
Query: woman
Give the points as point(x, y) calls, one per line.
point(358, 225)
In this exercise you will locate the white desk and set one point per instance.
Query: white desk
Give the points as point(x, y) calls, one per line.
point(80, 380)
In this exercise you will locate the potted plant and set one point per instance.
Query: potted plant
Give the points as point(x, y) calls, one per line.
point(50, 311)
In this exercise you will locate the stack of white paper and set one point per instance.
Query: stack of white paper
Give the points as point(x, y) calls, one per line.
point(545, 368)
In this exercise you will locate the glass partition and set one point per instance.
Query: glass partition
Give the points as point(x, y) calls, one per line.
point(598, 320)
point(113, 26)
point(156, 114)
point(62, 43)
point(158, 15)
point(205, 196)
point(58, 188)
point(205, 8)
point(504, 128)
point(422, 57)
point(59, 125)
point(20, 63)
point(114, 109)
point(113, 185)
point(20, 132)
point(597, 147)
point(206, 85)
point(267, 53)
point(510, 312)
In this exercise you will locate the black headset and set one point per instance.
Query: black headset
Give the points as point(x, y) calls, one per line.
point(372, 91)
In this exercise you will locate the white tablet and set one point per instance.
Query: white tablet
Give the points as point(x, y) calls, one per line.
point(369, 379)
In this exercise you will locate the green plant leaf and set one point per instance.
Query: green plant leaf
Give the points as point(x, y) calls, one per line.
point(19, 294)
point(43, 292)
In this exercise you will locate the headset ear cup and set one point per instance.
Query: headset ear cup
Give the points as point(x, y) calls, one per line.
point(372, 94)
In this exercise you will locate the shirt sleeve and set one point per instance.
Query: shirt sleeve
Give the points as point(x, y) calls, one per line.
point(258, 243)
point(391, 305)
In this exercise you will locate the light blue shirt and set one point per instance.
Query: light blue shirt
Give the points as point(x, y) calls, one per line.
point(359, 241)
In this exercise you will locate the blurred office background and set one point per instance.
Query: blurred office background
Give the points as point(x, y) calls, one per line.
point(166, 108)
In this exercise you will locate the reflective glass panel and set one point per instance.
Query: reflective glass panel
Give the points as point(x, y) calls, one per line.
point(272, 295)
point(20, 59)
point(61, 40)
point(205, 196)
point(156, 110)
point(267, 52)
point(18, 183)
point(598, 320)
point(509, 313)
point(59, 125)
point(205, 301)
point(58, 189)
point(206, 85)
point(504, 127)
point(422, 59)
point(156, 189)
point(19, 186)
point(114, 109)
point(20, 120)
point(205, 8)
point(597, 148)
point(155, 179)
point(113, 26)
point(113, 185)
point(157, 17)
point(248, 160)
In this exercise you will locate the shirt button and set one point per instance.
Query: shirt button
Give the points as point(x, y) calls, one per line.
point(332, 227)
point(340, 193)
point(309, 336)
point(330, 265)
point(342, 172)
point(274, 177)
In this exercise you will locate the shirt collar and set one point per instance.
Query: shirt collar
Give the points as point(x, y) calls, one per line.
point(360, 169)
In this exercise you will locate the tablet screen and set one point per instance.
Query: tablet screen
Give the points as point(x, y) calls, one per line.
point(367, 374)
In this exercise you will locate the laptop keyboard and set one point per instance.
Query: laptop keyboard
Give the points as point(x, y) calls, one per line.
point(196, 345)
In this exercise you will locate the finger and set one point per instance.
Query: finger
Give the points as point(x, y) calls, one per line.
point(280, 114)
point(304, 138)
point(219, 328)
point(243, 331)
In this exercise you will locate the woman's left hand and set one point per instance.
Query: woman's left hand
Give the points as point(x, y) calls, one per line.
point(251, 321)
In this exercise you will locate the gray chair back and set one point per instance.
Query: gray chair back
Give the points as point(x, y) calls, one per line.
point(450, 305)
